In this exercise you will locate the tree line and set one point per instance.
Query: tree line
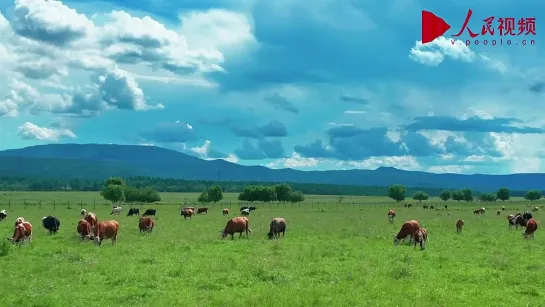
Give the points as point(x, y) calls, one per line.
point(116, 190)
point(397, 192)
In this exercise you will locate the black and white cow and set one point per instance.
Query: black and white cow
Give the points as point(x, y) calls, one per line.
point(51, 223)
point(133, 211)
point(149, 212)
point(527, 216)
point(516, 220)
point(3, 215)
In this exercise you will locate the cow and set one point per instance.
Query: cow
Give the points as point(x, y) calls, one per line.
point(3, 215)
point(498, 212)
point(245, 212)
point(51, 223)
point(133, 211)
point(479, 211)
point(421, 236)
point(516, 220)
point(18, 221)
point(244, 208)
point(446, 207)
point(252, 208)
point(237, 224)
point(106, 230)
point(277, 226)
point(535, 209)
point(146, 224)
point(527, 216)
point(22, 232)
point(192, 208)
point(92, 219)
point(202, 210)
point(459, 225)
point(83, 212)
point(150, 212)
point(391, 215)
point(407, 230)
point(432, 207)
point(84, 230)
point(116, 210)
point(424, 206)
point(187, 213)
point(409, 205)
point(502, 208)
point(226, 211)
point(531, 227)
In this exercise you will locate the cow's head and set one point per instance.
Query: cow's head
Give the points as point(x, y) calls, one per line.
point(223, 233)
point(396, 240)
point(270, 235)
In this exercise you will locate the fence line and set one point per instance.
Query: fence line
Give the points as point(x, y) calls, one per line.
point(280, 205)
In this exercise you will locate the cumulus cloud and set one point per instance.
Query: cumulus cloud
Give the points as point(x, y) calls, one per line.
point(434, 53)
point(473, 123)
point(207, 152)
point(30, 131)
point(265, 149)
point(295, 161)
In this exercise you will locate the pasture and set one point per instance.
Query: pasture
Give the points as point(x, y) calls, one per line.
point(332, 255)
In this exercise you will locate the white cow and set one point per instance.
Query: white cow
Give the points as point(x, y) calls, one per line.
point(245, 211)
point(116, 210)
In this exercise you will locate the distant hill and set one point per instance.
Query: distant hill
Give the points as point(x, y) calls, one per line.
point(98, 161)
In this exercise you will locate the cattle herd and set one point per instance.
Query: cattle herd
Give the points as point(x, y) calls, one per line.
point(416, 234)
point(89, 227)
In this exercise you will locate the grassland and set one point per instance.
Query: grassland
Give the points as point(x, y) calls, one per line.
point(332, 255)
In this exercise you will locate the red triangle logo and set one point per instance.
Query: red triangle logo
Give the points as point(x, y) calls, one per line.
point(432, 26)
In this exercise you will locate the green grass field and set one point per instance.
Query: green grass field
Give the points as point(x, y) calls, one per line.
point(332, 255)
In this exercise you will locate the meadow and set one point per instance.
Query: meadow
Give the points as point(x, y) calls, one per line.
point(332, 255)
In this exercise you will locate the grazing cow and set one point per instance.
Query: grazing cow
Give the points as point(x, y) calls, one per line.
point(225, 211)
point(480, 211)
point(106, 230)
point(83, 212)
point(19, 220)
point(243, 208)
point(405, 205)
point(22, 232)
point(84, 229)
point(116, 210)
point(407, 230)
point(502, 208)
point(516, 220)
point(3, 215)
point(237, 224)
point(535, 209)
point(432, 207)
point(202, 210)
point(527, 216)
point(446, 206)
point(133, 211)
point(192, 208)
point(277, 226)
point(391, 215)
point(421, 236)
point(150, 212)
point(425, 207)
point(459, 225)
point(409, 205)
point(92, 219)
point(252, 208)
point(245, 212)
point(51, 223)
point(187, 213)
point(498, 212)
point(146, 224)
point(531, 228)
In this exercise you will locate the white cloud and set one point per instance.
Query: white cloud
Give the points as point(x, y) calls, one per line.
point(204, 151)
point(401, 162)
point(434, 53)
point(354, 112)
point(30, 131)
point(456, 169)
point(295, 161)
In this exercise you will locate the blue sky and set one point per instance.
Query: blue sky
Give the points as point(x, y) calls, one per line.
point(310, 85)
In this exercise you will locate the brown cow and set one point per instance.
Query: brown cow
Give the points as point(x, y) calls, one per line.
point(408, 229)
point(421, 236)
point(106, 230)
point(202, 210)
point(391, 215)
point(187, 212)
point(92, 219)
point(22, 232)
point(84, 229)
point(225, 211)
point(146, 224)
point(277, 226)
point(531, 227)
point(237, 224)
point(459, 225)
point(18, 221)
point(192, 208)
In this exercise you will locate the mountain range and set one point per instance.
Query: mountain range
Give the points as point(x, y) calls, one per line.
point(99, 161)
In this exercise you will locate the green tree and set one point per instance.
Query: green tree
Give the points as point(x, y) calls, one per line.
point(457, 195)
point(203, 198)
point(282, 191)
point(420, 196)
point(533, 195)
point(503, 194)
point(215, 194)
point(296, 196)
point(396, 192)
point(114, 193)
point(115, 181)
point(488, 197)
point(468, 195)
point(445, 195)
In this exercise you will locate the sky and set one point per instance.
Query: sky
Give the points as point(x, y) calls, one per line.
point(310, 85)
